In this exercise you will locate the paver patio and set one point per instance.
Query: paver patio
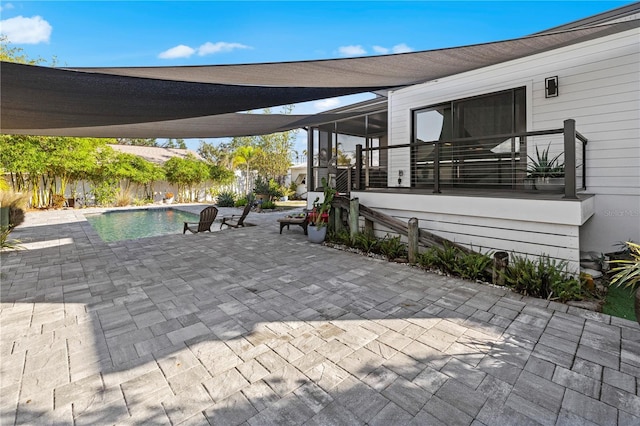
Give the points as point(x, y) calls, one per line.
point(251, 327)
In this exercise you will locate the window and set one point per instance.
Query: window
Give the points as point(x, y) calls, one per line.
point(470, 139)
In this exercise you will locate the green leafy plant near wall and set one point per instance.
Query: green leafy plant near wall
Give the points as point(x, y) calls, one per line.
point(393, 248)
point(366, 241)
point(544, 277)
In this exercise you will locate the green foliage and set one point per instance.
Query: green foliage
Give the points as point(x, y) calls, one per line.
point(105, 192)
point(367, 242)
point(4, 185)
point(392, 247)
point(627, 274)
point(226, 199)
point(241, 202)
point(268, 187)
point(321, 208)
point(185, 173)
point(429, 258)
point(543, 166)
point(544, 277)
point(221, 175)
point(16, 54)
point(341, 237)
point(473, 266)
point(268, 205)
point(5, 243)
point(138, 202)
point(447, 258)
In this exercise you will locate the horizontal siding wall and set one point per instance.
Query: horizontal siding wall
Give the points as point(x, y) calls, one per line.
point(482, 230)
point(599, 87)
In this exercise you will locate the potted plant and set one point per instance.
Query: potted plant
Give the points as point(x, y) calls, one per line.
point(319, 216)
point(627, 273)
point(547, 173)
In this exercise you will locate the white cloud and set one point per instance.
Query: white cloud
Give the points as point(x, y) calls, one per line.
point(398, 48)
point(326, 104)
point(26, 30)
point(380, 50)
point(211, 48)
point(401, 48)
point(180, 51)
point(353, 50)
point(6, 7)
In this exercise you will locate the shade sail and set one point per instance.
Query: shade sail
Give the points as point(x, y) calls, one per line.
point(195, 101)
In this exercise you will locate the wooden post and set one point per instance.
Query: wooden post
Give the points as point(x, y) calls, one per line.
point(500, 263)
point(413, 235)
point(570, 159)
point(354, 217)
point(368, 226)
point(337, 220)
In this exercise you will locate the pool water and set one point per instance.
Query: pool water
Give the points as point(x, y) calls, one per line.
point(133, 224)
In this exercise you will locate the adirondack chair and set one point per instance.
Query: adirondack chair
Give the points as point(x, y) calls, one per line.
point(207, 216)
point(236, 221)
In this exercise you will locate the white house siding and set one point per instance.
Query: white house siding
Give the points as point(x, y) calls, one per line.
point(523, 226)
point(599, 87)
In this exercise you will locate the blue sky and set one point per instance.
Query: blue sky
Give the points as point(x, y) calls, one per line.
point(160, 33)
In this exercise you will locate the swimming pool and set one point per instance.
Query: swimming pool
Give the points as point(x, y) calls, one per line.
point(132, 224)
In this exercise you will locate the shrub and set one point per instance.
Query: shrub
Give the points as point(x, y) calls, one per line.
point(393, 248)
point(57, 201)
point(105, 192)
point(429, 258)
point(473, 265)
point(268, 205)
point(241, 202)
point(544, 277)
point(627, 274)
point(447, 258)
point(366, 242)
point(226, 199)
point(123, 200)
point(269, 187)
point(340, 237)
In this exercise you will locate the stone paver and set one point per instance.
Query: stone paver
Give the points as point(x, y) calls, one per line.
point(251, 327)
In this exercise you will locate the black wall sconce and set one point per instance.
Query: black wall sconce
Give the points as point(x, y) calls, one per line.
point(551, 87)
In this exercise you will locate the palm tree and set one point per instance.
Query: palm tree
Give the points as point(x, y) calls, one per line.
point(245, 155)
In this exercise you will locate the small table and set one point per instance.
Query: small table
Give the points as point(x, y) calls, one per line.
point(294, 220)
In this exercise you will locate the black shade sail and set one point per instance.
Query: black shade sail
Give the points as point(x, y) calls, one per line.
point(197, 101)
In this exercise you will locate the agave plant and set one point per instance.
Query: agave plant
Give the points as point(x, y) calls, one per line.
point(543, 166)
point(627, 274)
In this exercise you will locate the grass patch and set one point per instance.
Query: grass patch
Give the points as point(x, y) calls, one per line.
point(619, 303)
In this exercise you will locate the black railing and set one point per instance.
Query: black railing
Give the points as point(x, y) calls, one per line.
point(489, 163)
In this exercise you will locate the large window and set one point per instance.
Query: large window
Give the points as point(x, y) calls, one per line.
point(467, 138)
